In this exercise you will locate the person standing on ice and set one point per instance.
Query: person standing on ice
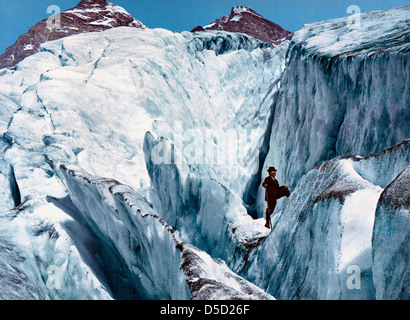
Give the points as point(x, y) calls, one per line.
point(273, 192)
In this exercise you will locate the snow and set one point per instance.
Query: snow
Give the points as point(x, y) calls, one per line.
point(205, 212)
point(357, 217)
point(49, 262)
point(128, 228)
point(362, 33)
point(235, 15)
point(28, 47)
point(7, 107)
point(236, 18)
point(209, 25)
point(108, 14)
point(72, 105)
point(240, 9)
point(217, 281)
point(79, 14)
point(158, 262)
point(104, 22)
point(130, 160)
point(116, 9)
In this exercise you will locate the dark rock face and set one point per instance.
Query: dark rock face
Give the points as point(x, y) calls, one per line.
point(397, 194)
point(87, 16)
point(245, 20)
point(198, 28)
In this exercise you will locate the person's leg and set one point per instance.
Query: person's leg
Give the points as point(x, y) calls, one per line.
point(267, 216)
point(269, 211)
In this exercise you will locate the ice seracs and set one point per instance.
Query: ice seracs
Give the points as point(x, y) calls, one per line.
point(64, 108)
point(205, 212)
point(339, 96)
point(154, 262)
point(111, 173)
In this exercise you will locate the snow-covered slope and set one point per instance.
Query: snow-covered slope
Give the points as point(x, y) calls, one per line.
point(48, 254)
point(74, 95)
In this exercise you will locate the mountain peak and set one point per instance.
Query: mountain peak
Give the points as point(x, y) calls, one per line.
point(245, 20)
point(242, 9)
point(92, 3)
point(87, 16)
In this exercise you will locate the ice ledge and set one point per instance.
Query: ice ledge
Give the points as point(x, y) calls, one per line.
point(369, 33)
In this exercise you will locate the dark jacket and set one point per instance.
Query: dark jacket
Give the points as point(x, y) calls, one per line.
point(272, 187)
point(273, 190)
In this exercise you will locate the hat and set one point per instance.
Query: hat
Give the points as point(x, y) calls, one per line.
point(271, 169)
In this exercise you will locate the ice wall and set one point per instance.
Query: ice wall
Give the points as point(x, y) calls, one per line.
point(88, 101)
point(205, 212)
point(137, 242)
point(47, 253)
point(142, 252)
point(345, 90)
point(391, 240)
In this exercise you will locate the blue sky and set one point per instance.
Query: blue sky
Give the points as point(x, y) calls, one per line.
point(17, 16)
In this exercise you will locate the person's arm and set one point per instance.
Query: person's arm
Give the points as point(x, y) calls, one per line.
point(264, 183)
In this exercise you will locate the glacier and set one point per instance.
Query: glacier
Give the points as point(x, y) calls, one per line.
point(204, 211)
point(46, 120)
point(344, 93)
point(158, 91)
point(339, 207)
point(138, 244)
point(131, 162)
point(345, 90)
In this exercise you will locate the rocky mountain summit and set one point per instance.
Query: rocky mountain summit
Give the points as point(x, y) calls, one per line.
point(245, 20)
point(87, 16)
